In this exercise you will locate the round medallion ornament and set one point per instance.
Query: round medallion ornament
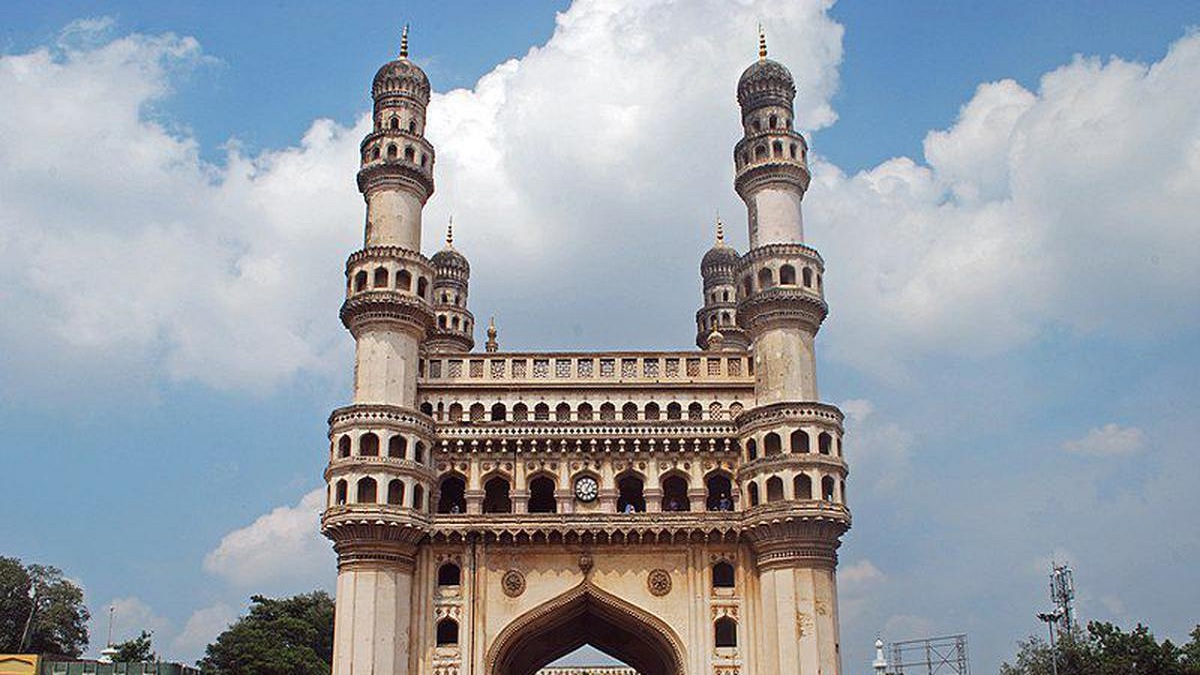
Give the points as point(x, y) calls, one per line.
point(513, 583)
point(586, 489)
point(659, 582)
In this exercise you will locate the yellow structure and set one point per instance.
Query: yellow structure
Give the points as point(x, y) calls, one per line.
point(19, 664)
point(492, 511)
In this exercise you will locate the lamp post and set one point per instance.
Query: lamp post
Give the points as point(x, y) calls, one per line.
point(1051, 618)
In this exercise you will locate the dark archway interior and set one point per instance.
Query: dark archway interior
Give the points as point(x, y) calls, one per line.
point(582, 621)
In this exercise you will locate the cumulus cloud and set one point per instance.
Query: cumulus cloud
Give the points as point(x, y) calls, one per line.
point(858, 576)
point(1110, 440)
point(130, 616)
point(202, 627)
point(573, 171)
point(883, 449)
point(280, 550)
point(1072, 206)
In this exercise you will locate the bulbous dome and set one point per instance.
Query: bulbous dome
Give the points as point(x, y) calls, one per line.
point(400, 75)
point(720, 255)
point(449, 259)
point(766, 82)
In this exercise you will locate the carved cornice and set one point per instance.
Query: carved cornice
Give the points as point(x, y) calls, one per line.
point(377, 415)
point(354, 465)
point(781, 306)
point(397, 174)
point(783, 535)
point(387, 309)
point(374, 535)
point(781, 251)
point(388, 254)
point(807, 460)
point(776, 414)
point(778, 171)
point(642, 430)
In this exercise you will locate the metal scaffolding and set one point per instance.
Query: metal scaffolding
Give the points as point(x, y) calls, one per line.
point(931, 656)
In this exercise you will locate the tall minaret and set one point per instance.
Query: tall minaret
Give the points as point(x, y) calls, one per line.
point(379, 474)
point(793, 472)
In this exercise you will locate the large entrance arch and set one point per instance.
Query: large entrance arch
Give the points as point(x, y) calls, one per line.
point(586, 615)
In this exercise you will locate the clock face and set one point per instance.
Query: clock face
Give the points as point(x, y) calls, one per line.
point(586, 489)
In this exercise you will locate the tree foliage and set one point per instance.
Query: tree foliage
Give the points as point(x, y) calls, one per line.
point(40, 611)
point(1105, 649)
point(292, 636)
point(136, 650)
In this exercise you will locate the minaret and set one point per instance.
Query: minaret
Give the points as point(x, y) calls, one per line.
point(718, 314)
point(793, 472)
point(491, 346)
point(380, 473)
point(455, 326)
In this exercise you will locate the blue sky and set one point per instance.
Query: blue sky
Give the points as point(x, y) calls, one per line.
point(1005, 196)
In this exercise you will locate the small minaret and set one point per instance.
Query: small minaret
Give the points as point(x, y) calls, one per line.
point(492, 346)
point(454, 329)
point(718, 314)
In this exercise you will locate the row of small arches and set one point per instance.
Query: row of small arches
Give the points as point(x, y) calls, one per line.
point(394, 123)
point(453, 323)
point(392, 152)
point(772, 123)
point(800, 442)
point(542, 491)
point(724, 632)
point(366, 491)
point(563, 412)
point(715, 320)
point(787, 277)
point(368, 445)
point(833, 490)
point(381, 278)
point(761, 153)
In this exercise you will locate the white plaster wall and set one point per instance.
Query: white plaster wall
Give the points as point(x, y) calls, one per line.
point(778, 217)
point(394, 219)
point(785, 366)
point(371, 634)
point(385, 368)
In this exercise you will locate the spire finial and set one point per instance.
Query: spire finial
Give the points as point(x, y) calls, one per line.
point(762, 43)
point(404, 42)
point(720, 230)
point(450, 232)
point(491, 345)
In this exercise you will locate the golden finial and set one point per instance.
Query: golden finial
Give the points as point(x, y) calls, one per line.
point(491, 345)
point(720, 231)
point(762, 43)
point(450, 232)
point(404, 42)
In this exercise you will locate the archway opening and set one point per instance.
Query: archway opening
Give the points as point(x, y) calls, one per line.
point(583, 617)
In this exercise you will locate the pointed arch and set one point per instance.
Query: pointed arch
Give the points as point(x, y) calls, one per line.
point(583, 615)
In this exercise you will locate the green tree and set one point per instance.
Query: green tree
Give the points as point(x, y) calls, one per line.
point(292, 636)
point(136, 650)
point(1105, 649)
point(40, 611)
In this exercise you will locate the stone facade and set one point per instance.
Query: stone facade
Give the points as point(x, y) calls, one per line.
point(494, 511)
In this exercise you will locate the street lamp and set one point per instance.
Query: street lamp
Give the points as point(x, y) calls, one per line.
point(1052, 618)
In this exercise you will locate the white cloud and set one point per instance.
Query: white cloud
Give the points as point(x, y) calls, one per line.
point(130, 616)
point(1072, 205)
point(882, 450)
point(1110, 440)
point(859, 576)
point(202, 627)
point(573, 172)
point(282, 549)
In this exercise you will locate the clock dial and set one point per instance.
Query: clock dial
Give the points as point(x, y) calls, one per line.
point(586, 489)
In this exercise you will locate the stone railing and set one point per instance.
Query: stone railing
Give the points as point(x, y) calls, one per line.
point(591, 369)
